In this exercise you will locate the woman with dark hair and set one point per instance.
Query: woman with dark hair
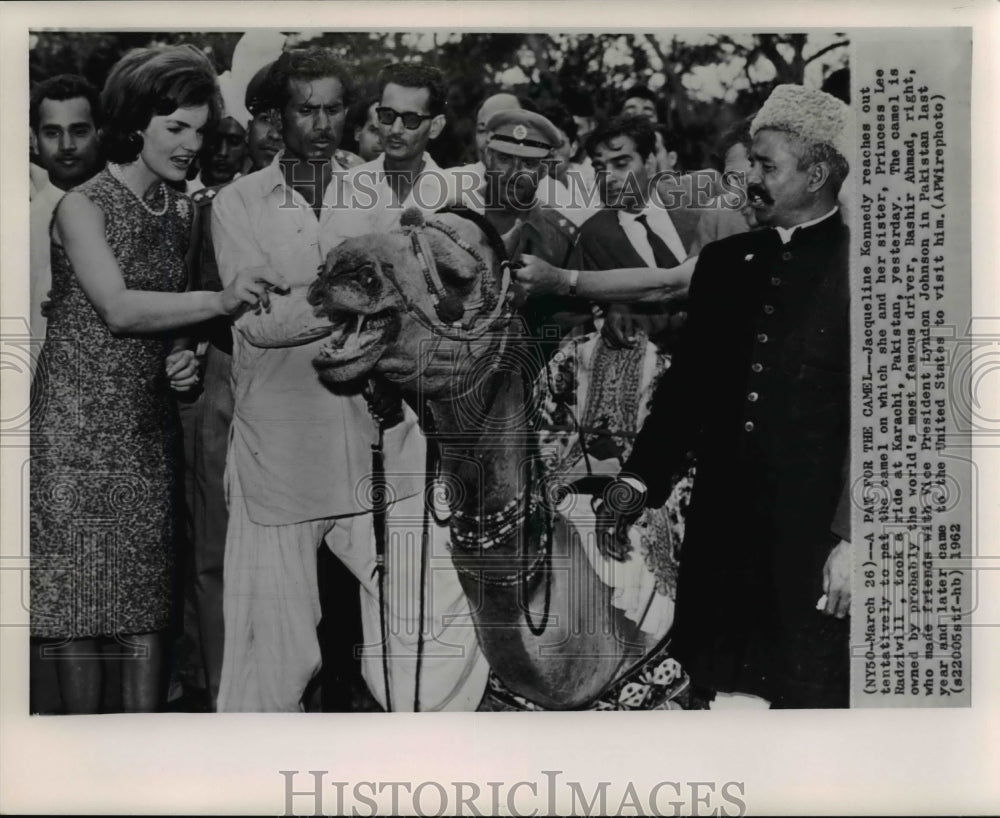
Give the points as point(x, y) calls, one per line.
point(103, 466)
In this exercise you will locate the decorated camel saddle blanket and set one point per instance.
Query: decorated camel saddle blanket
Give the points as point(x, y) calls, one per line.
point(593, 400)
point(656, 683)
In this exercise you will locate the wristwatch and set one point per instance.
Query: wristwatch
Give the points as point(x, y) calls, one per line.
point(574, 277)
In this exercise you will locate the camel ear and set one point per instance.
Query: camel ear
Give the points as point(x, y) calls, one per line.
point(512, 238)
point(412, 217)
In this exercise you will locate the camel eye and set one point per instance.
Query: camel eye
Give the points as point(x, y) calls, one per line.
point(456, 281)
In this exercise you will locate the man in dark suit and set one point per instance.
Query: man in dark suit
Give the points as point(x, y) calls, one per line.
point(759, 394)
point(633, 229)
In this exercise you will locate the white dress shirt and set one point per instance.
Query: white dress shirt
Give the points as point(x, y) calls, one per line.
point(577, 205)
point(372, 202)
point(192, 186)
point(659, 221)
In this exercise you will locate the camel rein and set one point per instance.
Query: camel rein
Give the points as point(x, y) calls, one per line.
point(474, 531)
point(486, 530)
point(453, 318)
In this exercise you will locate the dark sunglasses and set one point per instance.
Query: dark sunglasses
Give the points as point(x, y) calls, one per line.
point(411, 121)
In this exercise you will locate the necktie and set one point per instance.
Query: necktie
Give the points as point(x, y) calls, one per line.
point(661, 253)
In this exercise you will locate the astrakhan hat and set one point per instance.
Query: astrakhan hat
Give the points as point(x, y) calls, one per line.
point(814, 116)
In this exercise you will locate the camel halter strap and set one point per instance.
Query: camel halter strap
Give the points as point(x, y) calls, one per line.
point(454, 318)
point(379, 521)
point(499, 298)
point(449, 324)
point(468, 529)
point(379, 511)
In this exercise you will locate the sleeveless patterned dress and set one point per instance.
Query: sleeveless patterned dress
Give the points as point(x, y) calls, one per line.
point(103, 438)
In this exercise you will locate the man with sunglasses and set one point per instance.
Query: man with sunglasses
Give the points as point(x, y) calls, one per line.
point(410, 114)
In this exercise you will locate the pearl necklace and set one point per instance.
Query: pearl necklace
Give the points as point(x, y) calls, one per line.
point(117, 171)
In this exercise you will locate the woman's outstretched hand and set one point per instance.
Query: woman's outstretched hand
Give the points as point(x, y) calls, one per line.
point(624, 285)
point(251, 287)
point(537, 276)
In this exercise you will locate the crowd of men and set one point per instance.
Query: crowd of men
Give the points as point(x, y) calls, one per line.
point(272, 459)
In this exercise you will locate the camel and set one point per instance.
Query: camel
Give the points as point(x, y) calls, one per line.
point(432, 308)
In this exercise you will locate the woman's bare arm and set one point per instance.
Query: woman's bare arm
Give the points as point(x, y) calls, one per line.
point(630, 284)
point(80, 228)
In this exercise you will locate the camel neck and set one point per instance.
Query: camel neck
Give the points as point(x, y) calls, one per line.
point(485, 444)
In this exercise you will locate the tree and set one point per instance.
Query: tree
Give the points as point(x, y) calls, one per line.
point(584, 70)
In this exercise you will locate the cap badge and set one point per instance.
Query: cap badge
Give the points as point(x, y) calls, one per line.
point(519, 132)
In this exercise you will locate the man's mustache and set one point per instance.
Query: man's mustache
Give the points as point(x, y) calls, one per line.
point(755, 190)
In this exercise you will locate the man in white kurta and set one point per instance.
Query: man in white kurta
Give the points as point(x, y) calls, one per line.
point(299, 456)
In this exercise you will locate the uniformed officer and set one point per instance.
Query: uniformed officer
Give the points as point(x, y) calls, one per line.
point(520, 142)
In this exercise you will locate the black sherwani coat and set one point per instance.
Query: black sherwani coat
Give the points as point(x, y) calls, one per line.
point(759, 393)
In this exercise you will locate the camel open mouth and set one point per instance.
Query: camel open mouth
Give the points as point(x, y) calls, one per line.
point(355, 335)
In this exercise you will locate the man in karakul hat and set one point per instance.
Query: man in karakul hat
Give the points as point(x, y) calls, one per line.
point(759, 393)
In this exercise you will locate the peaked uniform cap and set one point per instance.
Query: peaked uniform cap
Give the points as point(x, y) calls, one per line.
point(522, 133)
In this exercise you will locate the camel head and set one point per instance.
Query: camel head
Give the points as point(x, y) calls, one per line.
point(419, 306)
